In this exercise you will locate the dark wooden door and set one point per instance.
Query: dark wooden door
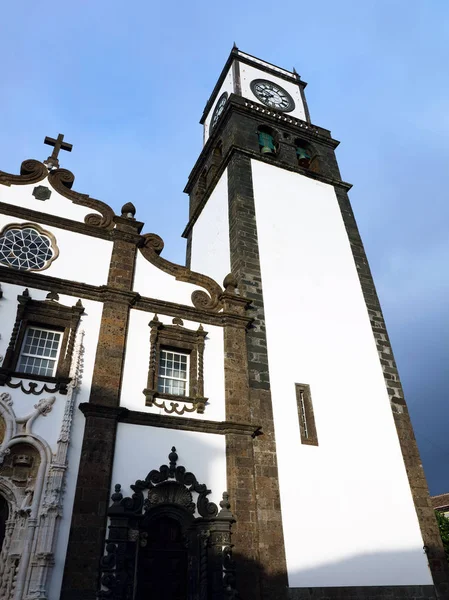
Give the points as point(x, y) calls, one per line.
point(162, 563)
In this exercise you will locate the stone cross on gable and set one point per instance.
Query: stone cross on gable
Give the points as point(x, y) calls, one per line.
point(52, 161)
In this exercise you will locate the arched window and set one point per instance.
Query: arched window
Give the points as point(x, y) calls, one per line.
point(4, 514)
point(267, 140)
point(306, 155)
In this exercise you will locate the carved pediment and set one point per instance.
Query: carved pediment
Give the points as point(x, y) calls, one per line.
point(170, 484)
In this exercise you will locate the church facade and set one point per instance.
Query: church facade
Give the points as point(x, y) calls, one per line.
point(230, 428)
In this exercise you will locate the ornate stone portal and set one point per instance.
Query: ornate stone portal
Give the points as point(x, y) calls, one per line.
point(31, 492)
point(170, 540)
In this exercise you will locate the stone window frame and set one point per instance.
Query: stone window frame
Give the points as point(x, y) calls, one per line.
point(189, 341)
point(48, 314)
point(307, 426)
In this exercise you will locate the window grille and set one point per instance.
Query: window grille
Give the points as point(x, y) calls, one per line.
point(173, 370)
point(39, 354)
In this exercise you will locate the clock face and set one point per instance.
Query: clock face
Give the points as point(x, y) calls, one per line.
point(272, 95)
point(218, 109)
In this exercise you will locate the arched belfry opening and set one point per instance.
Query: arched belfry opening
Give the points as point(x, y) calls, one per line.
point(168, 541)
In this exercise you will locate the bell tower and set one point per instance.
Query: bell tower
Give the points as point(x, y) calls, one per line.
point(339, 498)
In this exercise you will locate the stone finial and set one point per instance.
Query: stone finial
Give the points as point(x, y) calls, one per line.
point(230, 283)
point(117, 496)
point(178, 321)
point(173, 458)
point(52, 296)
point(128, 210)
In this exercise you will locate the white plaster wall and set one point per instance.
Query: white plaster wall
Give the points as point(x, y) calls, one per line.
point(81, 257)
point(137, 358)
point(22, 195)
point(139, 449)
point(49, 427)
point(210, 237)
point(348, 513)
point(154, 283)
point(249, 73)
point(227, 86)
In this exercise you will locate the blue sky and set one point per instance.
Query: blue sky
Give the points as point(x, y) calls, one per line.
point(126, 84)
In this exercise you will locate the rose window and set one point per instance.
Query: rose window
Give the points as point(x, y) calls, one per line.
point(27, 247)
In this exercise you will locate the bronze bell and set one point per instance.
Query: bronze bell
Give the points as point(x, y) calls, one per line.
point(266, 150)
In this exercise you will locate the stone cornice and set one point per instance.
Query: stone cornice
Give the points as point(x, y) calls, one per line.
point(256, 156)
point(109, 294)
point(248, 59)
point(188, 424)
point(240, 105)
point(134, 417)
point(53, 220)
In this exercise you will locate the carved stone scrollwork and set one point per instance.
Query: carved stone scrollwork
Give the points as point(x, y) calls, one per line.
point(62, 181)
point(152, 246)
point(31, 171)
point(166, 495)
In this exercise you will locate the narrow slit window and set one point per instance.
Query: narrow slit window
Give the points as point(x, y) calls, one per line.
point(305, 414)
point(40, 350)
point(173, 373)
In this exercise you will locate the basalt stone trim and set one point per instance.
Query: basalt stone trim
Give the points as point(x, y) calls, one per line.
point(54, 220)
point(241, 111)
point(189, 250)
point(237, 132)
point(105, 293)
point(245, 264)
point(247, 377)
point(124, 415)
point(304, 102)
point(415, 472)
point(240, 466)
point(189, 424)
point(249, 60)
point(88, 530)
point(31, 171)
point(414, 592)
point(93, 486)
point(151, 248)
point(62, 181)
